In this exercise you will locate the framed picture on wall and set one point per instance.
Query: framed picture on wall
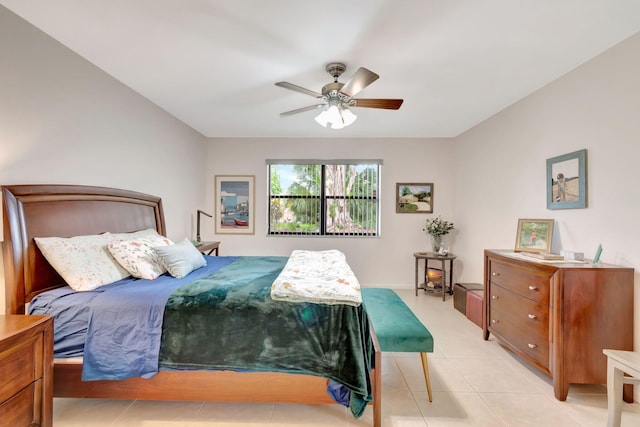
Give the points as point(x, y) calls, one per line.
point(412, 197)
point(235, 200)
point(534, 235)
point(567, 181)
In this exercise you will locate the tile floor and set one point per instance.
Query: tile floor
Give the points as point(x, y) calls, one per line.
point(474, 382)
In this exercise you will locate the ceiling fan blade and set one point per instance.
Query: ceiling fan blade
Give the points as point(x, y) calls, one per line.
point(302, 110)
point(389, 104)
point(297, 88)
point(361, 79)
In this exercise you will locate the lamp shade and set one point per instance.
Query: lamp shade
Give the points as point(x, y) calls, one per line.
point(348, 117)
point(323, 118)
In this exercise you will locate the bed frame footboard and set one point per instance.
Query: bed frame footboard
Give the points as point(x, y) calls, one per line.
point(209, 386)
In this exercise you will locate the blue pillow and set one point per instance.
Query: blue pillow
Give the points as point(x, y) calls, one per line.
point(180, 259)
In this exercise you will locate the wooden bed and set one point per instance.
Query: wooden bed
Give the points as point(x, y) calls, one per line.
point(70, 210)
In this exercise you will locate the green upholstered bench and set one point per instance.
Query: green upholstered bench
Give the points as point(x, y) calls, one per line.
point(396, 327)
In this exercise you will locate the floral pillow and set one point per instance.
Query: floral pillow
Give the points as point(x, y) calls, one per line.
point(82, 261)
point(138, 257)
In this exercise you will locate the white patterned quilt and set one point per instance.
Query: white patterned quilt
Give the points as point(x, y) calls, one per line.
point(321, 277)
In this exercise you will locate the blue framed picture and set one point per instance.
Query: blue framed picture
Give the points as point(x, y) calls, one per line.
point(567, 181)
point(234, 204)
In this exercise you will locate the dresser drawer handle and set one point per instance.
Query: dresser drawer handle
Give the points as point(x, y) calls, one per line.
point(532, 316)
point(494, 296)
point(495, 321)
point(533, 288)
point(532, 345)
point(495, 274)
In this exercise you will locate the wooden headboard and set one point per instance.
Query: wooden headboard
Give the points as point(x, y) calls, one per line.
point(62, 211)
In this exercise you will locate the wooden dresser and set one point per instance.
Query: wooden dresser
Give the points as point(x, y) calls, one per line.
point(26, 371)
point(559, 317)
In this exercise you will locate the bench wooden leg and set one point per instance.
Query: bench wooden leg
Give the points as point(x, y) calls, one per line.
point(425, 369)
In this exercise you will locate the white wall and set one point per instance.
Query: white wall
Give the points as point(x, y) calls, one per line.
point(64, 121)
point(501, 165)
point(386, 260)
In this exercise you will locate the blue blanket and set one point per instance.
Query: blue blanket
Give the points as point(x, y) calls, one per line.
point(129, 310)
point(125, 325)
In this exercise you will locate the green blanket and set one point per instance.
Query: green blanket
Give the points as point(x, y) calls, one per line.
point(229, 321)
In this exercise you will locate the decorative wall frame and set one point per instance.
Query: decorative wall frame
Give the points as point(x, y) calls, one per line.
point(534, 235)
point(235, 200)
point(414, 197)
point(567, 181)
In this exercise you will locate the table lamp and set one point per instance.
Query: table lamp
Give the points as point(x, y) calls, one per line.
point(198, 224)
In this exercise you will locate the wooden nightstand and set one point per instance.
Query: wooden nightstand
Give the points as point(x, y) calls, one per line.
point(26, 370)
point(208, 247)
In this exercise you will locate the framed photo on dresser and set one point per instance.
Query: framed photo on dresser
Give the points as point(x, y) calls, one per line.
point(534, 235)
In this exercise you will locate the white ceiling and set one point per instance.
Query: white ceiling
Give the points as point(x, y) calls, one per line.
point(213, 63)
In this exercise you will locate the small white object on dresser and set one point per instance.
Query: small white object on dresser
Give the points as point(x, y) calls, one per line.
point(572, 255)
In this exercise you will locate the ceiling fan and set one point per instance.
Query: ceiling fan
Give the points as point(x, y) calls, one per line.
point(337, 97)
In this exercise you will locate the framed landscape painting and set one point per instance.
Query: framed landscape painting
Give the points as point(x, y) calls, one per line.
point(414, 197)
point(567, 181)
point(235, 198)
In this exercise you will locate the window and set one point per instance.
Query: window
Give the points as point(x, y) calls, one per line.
point(324, 198)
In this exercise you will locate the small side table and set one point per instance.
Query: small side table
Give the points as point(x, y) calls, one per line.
point(620, 362)
point(208, 246)
point(426, 256)
point(26, 370)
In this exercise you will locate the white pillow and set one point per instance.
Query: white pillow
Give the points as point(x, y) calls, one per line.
point(135, 234)
point(138, 257)
point(82, 261)
point(180, 259)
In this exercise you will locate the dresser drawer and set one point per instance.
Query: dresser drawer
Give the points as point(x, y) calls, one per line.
point(529, 283)
point(20, 410)
point(19, 366)
point(527, 316)
point(522, 322)
point(530, 336)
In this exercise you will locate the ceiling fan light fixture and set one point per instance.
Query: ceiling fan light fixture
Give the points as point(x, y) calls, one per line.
point(322, 118)
point(335, 117)
point(348, 117)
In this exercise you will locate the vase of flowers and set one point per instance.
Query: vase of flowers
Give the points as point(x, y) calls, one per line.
point(437, 228)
